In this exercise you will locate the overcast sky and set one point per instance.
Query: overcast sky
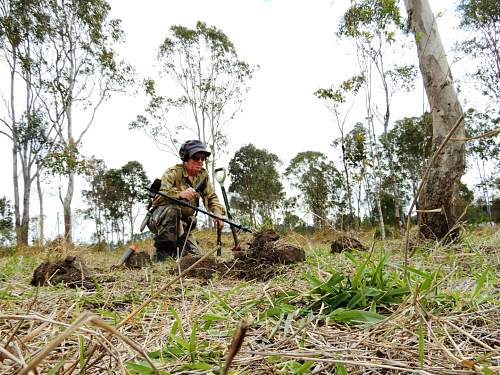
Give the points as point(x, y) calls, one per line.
point(292, 41)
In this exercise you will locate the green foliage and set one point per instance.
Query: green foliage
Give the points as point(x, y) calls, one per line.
point(358, 298)
point(369, 17)
point(477, 124)
point(410, 143)
point(255, 180)
point(65, 159)
point(339, 94)
point(356, 147)
point(113, 194)
point(481, 19)
point(205, 67)
point(6, 222)
point(320, 184)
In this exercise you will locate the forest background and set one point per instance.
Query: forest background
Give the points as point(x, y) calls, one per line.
point(319, 113)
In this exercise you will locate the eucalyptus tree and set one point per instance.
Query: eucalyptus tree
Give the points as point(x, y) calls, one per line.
point(484, 150)
point(94, 197)
point(209, 83)
point(320, 184)
point(358, 163)
point(23, 29)
point(340, 100)
point(6, 222)
point(438, 219)
point(480, 49)
point(481, 20)
point(115, 202)
point(374, 26)
point(113, 196)
point(256, 182)
point(82, 71)
point(135, 184)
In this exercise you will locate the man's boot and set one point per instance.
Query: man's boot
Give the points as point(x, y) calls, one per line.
point(164, 250)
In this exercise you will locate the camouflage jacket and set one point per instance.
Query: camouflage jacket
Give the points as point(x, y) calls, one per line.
point(176, 179)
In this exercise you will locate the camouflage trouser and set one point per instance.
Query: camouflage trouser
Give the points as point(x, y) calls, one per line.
point(170, 231)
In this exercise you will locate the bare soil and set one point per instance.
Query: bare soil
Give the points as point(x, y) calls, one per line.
point(262, 260)
point(204, 270)
point(342, 243)
point(138, 259)
point(70, 272)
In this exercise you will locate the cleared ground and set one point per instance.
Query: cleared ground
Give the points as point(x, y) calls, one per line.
point(353, 312)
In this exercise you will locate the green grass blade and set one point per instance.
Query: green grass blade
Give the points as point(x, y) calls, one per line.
point(81, 345)
point(421, 342)
point(340, 369)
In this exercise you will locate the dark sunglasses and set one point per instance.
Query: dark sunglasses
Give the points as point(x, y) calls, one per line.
point(198, 158)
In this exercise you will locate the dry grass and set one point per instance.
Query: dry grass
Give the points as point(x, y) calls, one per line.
point(450, 327)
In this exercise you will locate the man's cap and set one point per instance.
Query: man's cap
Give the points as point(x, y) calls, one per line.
point(189, 148)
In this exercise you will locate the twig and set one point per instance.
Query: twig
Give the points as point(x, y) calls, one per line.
point(10, 356)
point(236, 342)
point(463, 332)
point(487, 134)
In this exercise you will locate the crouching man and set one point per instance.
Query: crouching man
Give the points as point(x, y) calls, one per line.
point(173, 224)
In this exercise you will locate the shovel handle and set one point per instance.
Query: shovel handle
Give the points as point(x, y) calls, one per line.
point(219, 241)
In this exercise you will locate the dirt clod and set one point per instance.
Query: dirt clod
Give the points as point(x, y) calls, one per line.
point(138, 259)
point(342, 243)
point(262, 239)
point(262, 260)
point(70, 272)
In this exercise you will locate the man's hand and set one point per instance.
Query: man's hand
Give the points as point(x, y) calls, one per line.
point(188, 194)
point(218, 223)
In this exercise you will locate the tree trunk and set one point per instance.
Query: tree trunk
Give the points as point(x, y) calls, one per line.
point(379, 63)
point(442, 184)
point(68, 235)
point(41, 220)
point(374, 154)
point(131, 219)
point(15, 151)
point(25, 220)
point(346, 172)
point(26, 164)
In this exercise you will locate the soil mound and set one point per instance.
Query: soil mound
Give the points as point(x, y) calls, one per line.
point(138, 259)
point(70, 271)
point(263, 239)
point(262, 260)
point(342, 243)
point(266, 247)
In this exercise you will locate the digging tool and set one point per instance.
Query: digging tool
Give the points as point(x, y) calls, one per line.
point(219, 241)
point(132, 249)
point(220, 176)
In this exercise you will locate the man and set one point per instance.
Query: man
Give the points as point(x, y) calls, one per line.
point(171, 223)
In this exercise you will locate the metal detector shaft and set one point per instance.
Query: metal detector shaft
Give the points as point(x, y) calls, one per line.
point(185, 204)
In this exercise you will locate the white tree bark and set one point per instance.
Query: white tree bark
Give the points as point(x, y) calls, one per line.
point(445, 175)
